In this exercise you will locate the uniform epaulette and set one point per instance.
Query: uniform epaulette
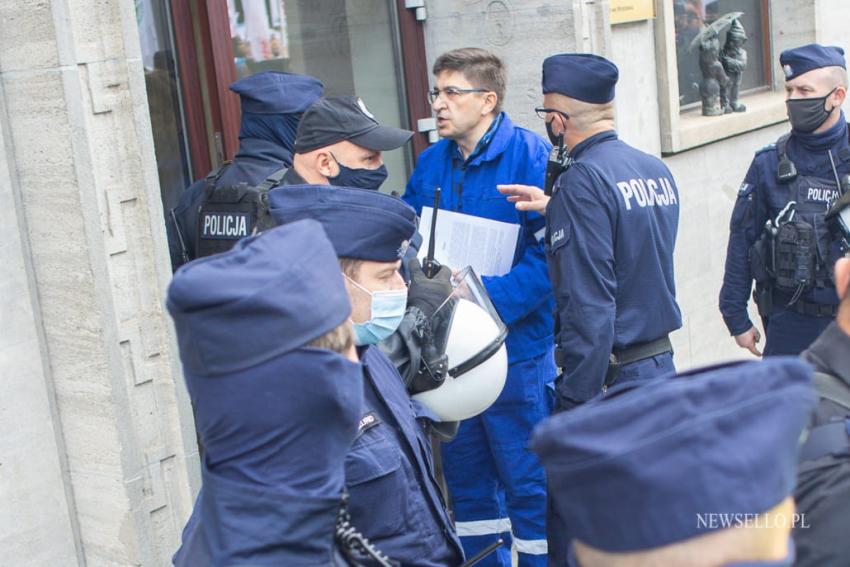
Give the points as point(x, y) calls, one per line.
point(771, 146)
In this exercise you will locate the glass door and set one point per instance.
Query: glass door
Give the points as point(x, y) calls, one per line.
point(352, 46)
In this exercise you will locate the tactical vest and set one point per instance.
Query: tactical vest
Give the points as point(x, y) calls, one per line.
point(231, 212)
point(795, 251)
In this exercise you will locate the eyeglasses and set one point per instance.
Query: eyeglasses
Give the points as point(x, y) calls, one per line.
point(542, 112)
point(451, 93)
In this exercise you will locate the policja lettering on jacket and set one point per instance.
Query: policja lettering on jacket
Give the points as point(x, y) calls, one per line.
point(778, 235)
point(224, 225)
point(648, 192)
point(272, 104)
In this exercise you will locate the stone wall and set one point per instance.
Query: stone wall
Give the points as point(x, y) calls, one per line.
point(102, 463)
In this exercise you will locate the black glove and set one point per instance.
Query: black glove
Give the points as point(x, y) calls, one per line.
point(427, 294)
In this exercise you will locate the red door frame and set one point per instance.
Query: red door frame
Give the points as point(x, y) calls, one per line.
point(190, 82)
point(415, 69)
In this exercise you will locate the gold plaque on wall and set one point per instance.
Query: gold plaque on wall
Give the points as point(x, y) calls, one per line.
point(631, 10)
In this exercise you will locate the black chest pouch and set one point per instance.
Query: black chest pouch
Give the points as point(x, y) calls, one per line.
point(795, 255)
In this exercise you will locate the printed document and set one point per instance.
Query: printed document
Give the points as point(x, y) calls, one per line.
point(465, 240)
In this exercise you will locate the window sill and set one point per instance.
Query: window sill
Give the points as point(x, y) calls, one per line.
point(692, 129)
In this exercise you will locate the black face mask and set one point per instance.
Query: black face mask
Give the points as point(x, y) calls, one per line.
point(556, 140)
point(558, 160)
point(807, 114)
point(360, 178)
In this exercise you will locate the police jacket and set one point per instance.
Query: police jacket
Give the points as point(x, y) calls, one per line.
point(256, 160)
point(611, 230)
point(272, 469)
point(823, 485)
point(762, 196)
point(395, 500)
point(506, 154)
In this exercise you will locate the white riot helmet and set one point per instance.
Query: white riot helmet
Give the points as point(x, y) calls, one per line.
point(474, 338)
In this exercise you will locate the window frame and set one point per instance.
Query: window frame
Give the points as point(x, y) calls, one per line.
point(685, 128)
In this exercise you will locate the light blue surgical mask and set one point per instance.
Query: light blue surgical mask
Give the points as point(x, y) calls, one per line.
point(388, 309)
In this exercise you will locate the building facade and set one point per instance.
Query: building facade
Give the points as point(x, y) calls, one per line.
point(109, 108)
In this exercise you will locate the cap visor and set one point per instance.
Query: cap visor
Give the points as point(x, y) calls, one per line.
point(382, 138)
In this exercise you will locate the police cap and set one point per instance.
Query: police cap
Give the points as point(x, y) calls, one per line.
point(634, 469)
point(801, 60)
point(337, 118)
point(275, 92)
point(267, 296)
point(582, 76)
point(360, 223)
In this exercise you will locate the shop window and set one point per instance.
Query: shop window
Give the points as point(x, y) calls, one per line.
point(695, 19)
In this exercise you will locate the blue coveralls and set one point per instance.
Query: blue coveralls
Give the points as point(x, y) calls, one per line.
point(760, 198)
point(611, 229)
point(395, 500)
point(256, 160)
point(489, 470)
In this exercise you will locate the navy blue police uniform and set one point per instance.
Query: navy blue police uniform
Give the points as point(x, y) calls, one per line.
point(272, 105)
point(790, 183)
point(275, 415)
point(395, 499)
point(622, 487)
point(611, 230)
point(822, 495)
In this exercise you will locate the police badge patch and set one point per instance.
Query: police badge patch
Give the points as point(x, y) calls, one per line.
point(788, 70)
point(402, 250)
point(365, 110)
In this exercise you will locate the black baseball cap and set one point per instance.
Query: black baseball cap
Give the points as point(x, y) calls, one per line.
point(333, 119)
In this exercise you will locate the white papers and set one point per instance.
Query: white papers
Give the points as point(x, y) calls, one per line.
point(464, 240)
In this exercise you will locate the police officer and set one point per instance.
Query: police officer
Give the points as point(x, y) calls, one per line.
point(272, 104)
point(394, 498)
point(254, 325)
point(823, 484)
point(611, 229)
point(610, 232)
point(480, 148)
point(339, 142)
point(791, 184)
point(692, 470)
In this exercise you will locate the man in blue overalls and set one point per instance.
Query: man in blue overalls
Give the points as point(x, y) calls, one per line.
point(394, 498)
point(696, 469)
point(489, 470)
point(266, 349)
point(791, 184)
